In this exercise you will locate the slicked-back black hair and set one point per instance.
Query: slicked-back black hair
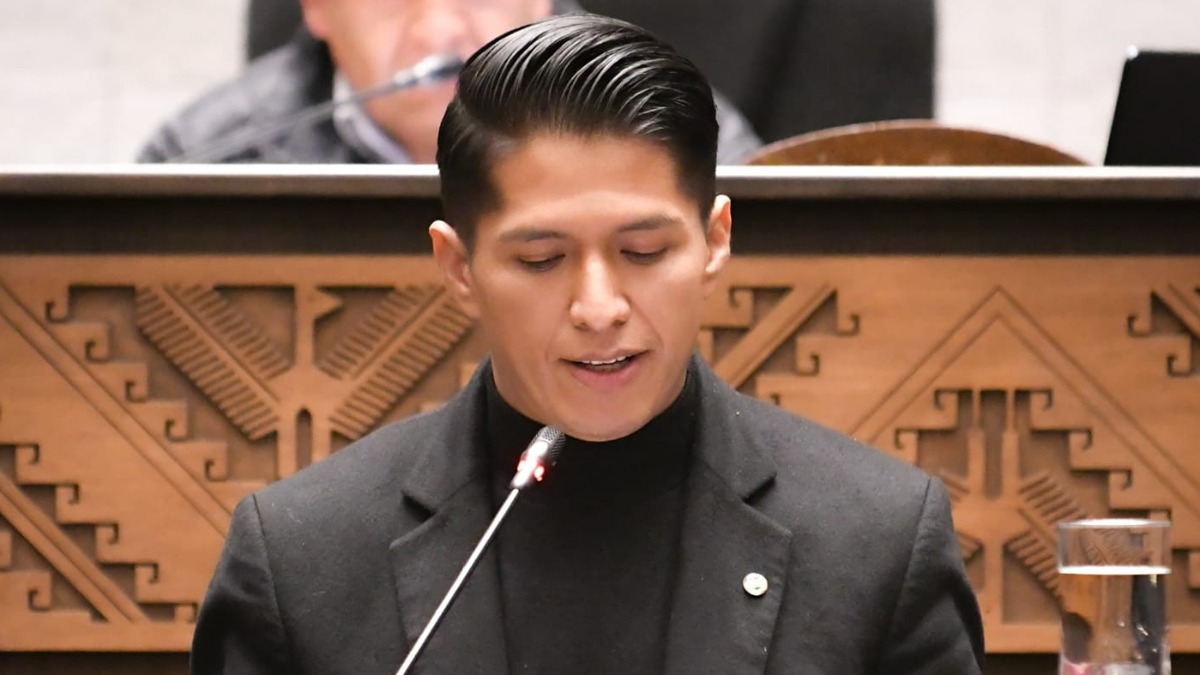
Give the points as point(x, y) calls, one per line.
point(577, 74)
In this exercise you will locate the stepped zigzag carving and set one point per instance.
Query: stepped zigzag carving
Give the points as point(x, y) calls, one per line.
point(167, 420)
point(1116, 443)
point(1045, 503)
point(351, 354)
point(43, 533)
point(423, 341)
point(138, 438)
point(224, 355)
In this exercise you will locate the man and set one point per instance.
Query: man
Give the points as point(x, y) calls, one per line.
point(686, 529)
point(353, 45)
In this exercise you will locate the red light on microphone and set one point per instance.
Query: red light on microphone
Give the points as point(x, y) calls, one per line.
point(539, 471)
point(537, 459)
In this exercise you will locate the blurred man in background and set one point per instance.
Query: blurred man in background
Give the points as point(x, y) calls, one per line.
point(349, 46)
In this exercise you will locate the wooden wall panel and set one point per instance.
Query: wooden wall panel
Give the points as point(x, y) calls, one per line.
point(172, 338)
point(142, 396)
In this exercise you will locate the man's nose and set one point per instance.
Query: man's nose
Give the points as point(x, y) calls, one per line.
point(440, 25)
point(599, 302)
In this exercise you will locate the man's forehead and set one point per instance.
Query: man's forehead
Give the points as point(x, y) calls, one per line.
point(560, 185)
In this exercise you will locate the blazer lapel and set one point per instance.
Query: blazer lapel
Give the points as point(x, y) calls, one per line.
point(470, 639)
point(448, 481)
point(717, 626)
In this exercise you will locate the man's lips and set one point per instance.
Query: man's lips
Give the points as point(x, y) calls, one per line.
point(604, 364)
point(611, 359)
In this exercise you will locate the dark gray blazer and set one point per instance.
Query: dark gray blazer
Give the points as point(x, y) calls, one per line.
point(337, 569)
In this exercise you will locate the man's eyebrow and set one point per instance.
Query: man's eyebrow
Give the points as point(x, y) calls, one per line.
point(652, 223)
point(531, 233)
point(526, 234)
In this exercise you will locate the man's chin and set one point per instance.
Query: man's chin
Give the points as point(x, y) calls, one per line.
point(609, 428)
point(419, 113)
point(421, 103)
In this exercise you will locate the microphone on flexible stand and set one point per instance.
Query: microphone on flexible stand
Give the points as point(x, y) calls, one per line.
point(429, 70)
point(541, 454)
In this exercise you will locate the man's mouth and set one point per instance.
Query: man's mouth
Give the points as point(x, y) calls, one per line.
point(606, 365)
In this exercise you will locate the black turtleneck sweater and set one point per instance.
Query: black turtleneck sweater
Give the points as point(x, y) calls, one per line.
point(587, 558)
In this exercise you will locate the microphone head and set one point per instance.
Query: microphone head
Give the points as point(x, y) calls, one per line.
point(542, 453)
point(437, 67)
point(554, 439)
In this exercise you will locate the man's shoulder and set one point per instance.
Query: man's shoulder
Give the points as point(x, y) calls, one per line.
point(272, 87)
point(822, 471)
point(358, 479)
point(801, 446)
point(393, 444)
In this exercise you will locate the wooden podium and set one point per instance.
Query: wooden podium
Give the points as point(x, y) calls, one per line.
point(172, 339)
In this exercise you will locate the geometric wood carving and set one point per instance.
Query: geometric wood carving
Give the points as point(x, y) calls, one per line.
point(142, 396)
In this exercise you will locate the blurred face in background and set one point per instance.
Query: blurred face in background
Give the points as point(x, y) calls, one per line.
point(372, 39)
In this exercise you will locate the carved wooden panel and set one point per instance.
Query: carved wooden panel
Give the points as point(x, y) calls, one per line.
point(141, 397)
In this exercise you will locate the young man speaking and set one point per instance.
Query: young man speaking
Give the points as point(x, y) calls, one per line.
point(686, 529)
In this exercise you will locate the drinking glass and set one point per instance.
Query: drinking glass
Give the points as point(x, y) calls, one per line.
point(1112, 576)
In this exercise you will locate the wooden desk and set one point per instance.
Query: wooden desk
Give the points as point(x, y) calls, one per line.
point(172, 339)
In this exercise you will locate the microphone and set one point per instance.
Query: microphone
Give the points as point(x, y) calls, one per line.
point(429, 70)
point(541, 454)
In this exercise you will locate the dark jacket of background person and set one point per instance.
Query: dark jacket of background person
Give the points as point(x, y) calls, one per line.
point(790, 66)
point(794, 66)
point(297, 76)
point(336, 569)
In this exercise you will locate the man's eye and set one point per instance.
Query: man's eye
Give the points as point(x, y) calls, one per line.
point(540, 264)
point(644, 257)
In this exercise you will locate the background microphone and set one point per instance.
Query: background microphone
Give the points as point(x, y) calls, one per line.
point(541, 454)
point(429, 70)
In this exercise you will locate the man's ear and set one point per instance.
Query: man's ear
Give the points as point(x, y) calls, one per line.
point(454, 261)
point(315, 17)
point(719, 234)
